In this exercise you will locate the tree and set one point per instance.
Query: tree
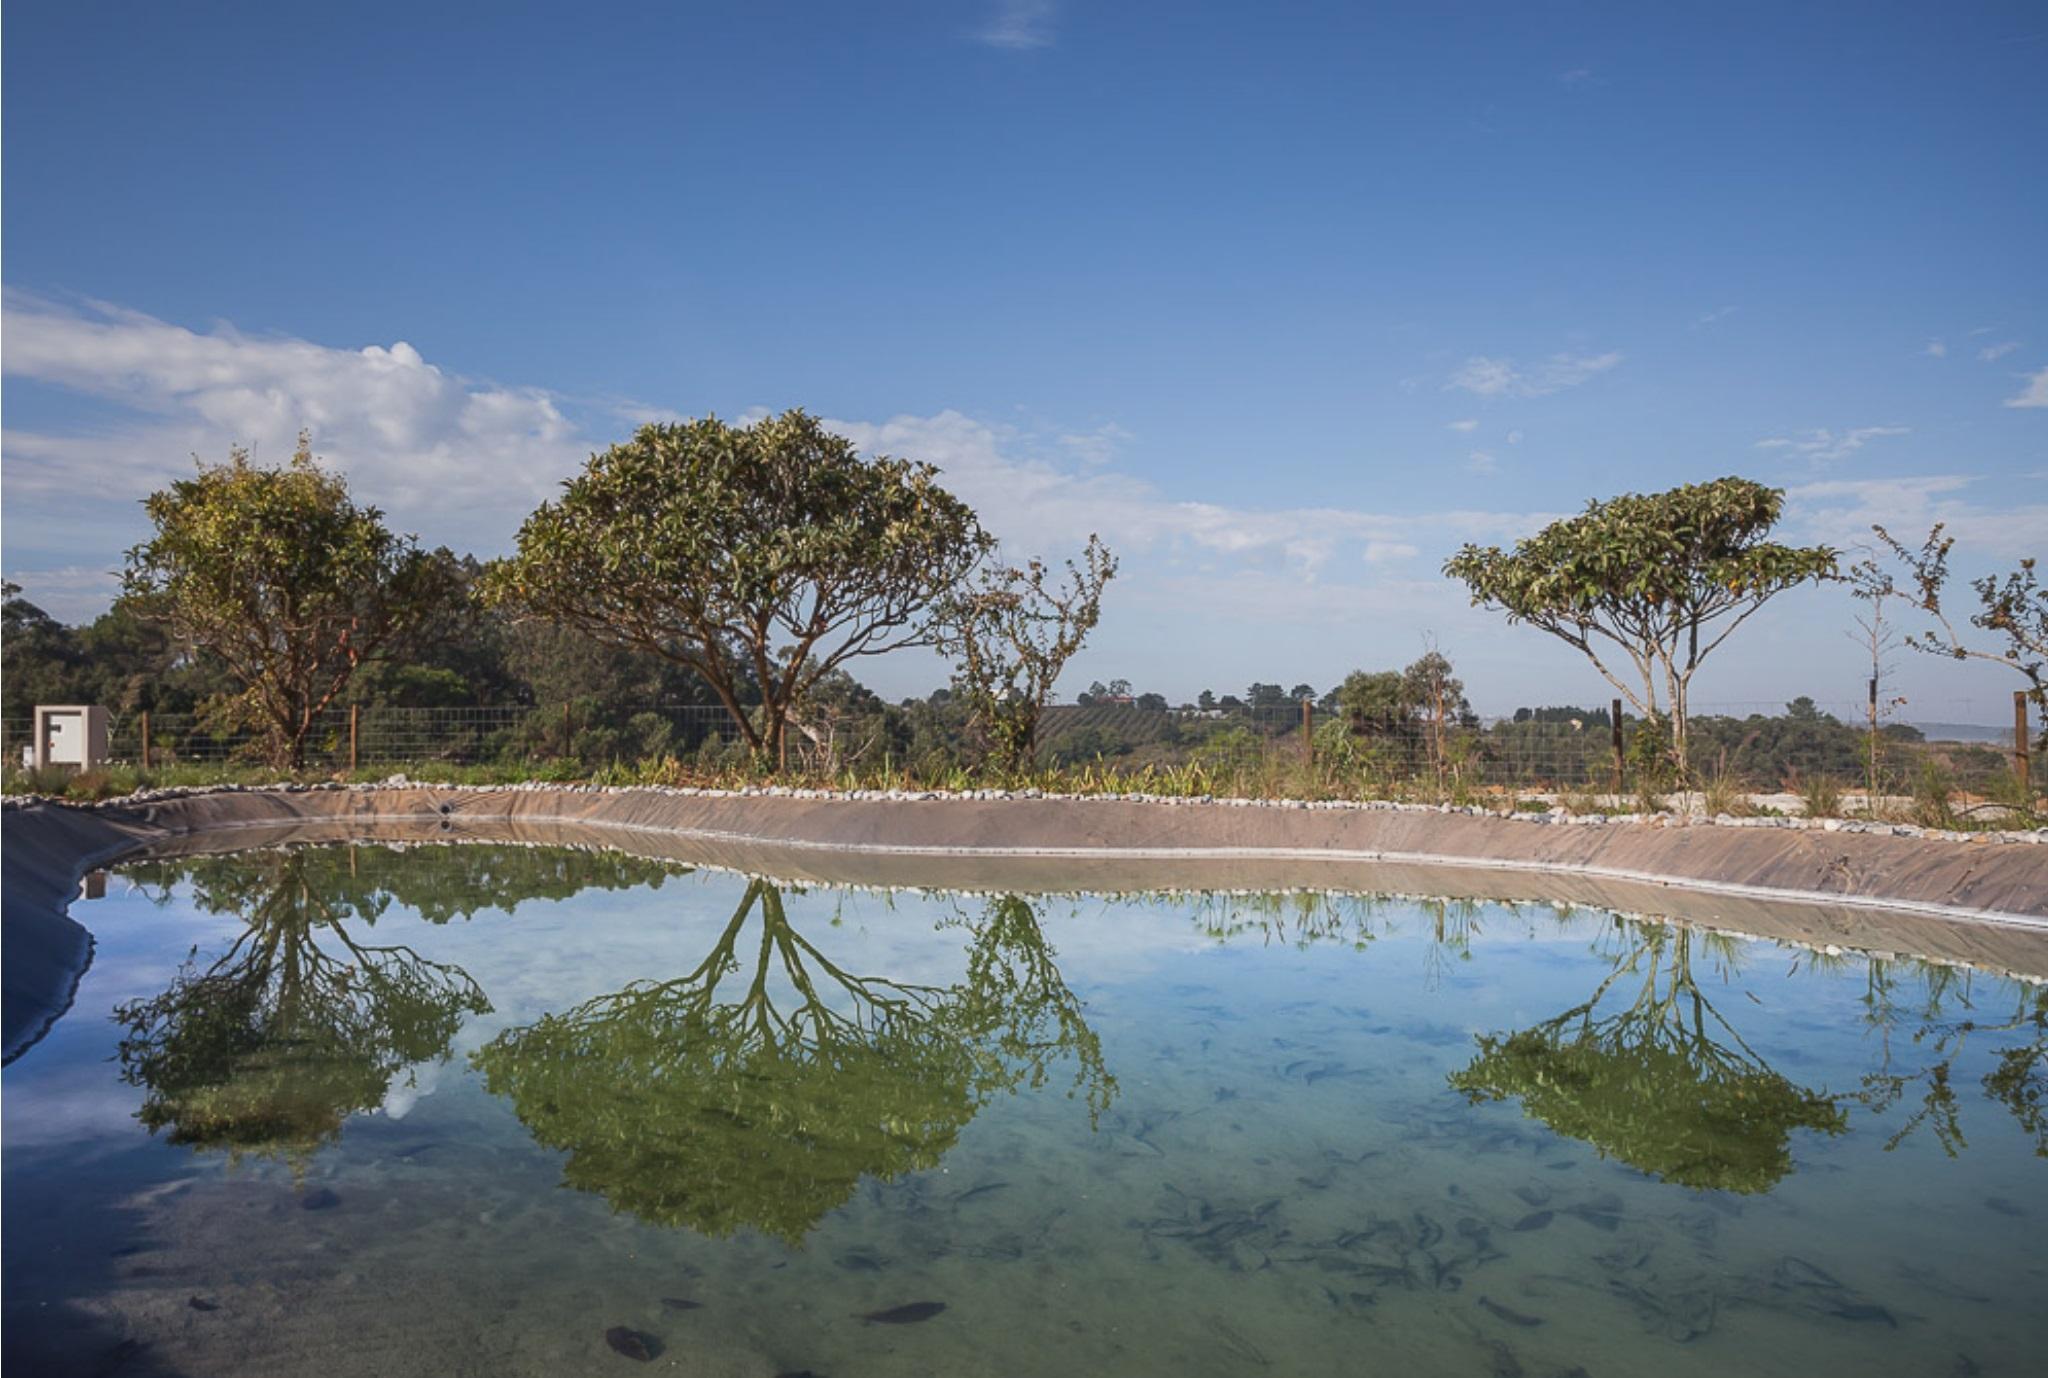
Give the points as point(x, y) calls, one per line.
point(1377, 702)
point(1302, 691)
point(1430, 688)
point(1010, 633)
point(1206, 701)
point(1152, 703)
point(2013, 607)
point(769, 555)
point(1665, 578)
point(1265, 696)
point(1869, 582)
point(287, 581)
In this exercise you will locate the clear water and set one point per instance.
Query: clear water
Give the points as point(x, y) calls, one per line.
point(495, 1110)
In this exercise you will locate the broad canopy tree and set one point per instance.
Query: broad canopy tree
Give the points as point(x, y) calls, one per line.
point(761, 556)
point(1661, 578)
point(278, 574)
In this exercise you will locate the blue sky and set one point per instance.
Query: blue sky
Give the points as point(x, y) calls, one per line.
point(1286, 300)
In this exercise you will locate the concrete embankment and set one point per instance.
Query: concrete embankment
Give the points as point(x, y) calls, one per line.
point(1980, 900)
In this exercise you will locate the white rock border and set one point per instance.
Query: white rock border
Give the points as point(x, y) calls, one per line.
point(1553, 817)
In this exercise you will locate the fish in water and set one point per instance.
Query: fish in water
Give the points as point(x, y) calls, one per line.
point(1535, 1220)
point(202, 1304)
point(2003, 1206)
point(908, 1314)
point(318, 1199)
point(632, 1343)
point(1859, 1311)
point(1508, 1314)
point(983, 1190)
point(679, 1304)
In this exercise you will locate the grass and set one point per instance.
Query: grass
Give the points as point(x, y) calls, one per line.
point(1820, 795)
point(1224, 775)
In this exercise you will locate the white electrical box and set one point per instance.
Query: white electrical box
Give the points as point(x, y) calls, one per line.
point(71, 736)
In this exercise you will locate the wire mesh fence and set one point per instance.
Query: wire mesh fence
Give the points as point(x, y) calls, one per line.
point(1292, 746)
point(350, 738)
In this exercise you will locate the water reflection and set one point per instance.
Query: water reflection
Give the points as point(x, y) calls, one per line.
point(300, 1024)
point(269, 1048)
point(1662, 1081)
point(759, 1089)
point(1945, 1011)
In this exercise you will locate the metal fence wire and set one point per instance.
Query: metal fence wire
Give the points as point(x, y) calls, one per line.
point(1749, 747)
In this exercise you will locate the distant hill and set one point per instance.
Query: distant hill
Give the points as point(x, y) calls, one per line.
point(1964, 732)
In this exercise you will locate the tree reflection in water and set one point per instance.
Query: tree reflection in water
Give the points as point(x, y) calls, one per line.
point(269, 1048)
point(1947, 1012)
point(1663, 1083)
point(758, 1089)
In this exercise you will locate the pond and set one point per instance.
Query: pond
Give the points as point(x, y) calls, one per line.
point(501, 1109)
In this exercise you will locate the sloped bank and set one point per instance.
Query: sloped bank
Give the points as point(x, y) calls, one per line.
point(1980, 899)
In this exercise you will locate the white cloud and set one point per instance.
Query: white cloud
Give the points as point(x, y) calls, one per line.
point(462, 462)
point(1710, 317)
point(1514, 437)
point(1576, 75)
point(72, 593)
point(1470, 425)
point(1937, 348)
point(1480, 462)
point(1038, 506)
point(1823, 446)
point(410, 436)
point(1098, 446)
point(1489, 377)
point(1997, 351)
point(1019, 24)
point(1842, 511)
point(2034, 394)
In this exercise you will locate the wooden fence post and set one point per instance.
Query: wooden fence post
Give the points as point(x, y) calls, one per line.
point(355, 717)
point(2019, 742)
point(1308, 731)
point(1620, 755)
point(145, 739)
point(568, 730)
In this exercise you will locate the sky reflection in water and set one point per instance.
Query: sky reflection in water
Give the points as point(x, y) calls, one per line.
point(303, 1089)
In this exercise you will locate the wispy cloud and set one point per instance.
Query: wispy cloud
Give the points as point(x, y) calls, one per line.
point(1723, 314)
point(1489, 377)
point(1842, 511)
point(2034, 394)
point(1824, 446)
point(1576, 75)
point(1019, 24)
point(1041, 505)
point(1098, 446)
point(1480, 462)
point(1466, 425)
point(1997, 351)
point(1936, 349)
